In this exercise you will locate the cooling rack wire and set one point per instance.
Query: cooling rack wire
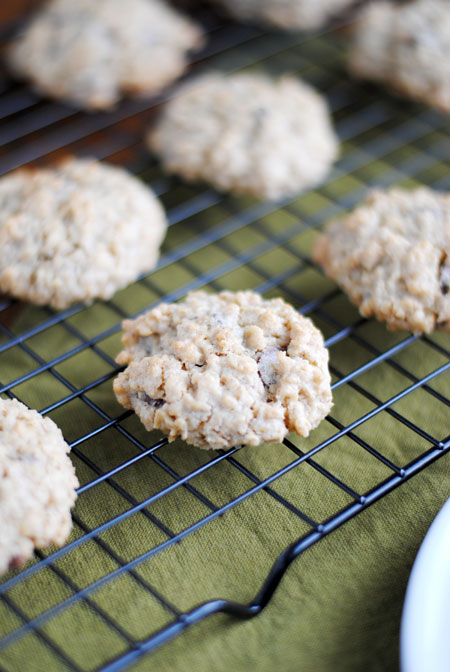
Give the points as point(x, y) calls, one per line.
point(167, 495)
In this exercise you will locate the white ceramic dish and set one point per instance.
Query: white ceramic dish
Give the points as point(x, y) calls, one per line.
point(425, 630)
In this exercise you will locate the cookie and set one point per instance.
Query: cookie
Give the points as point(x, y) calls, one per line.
point(223, 370)
point(287, 14)
point(392, 257)
point(37, 484)
point(407, 48)
point(247, 134)
point(89, 52)
point(75, 232)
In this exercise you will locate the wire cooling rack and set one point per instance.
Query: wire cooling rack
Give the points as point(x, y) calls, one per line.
point(215, 241)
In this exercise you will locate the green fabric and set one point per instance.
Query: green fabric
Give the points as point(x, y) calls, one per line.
point(339, 606)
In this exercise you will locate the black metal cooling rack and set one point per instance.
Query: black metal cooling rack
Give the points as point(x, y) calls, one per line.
point(384, 141)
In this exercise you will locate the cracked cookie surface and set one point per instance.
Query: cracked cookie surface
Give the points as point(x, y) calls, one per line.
point(392, 257)
point(78, 231)
point(248, 134)
point(90, 51)
point(223, 370)
point(287, 14)
point(37, 484)
point(406, 47)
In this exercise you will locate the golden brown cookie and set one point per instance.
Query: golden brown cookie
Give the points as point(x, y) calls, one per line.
point(287, 14)
point(248, 134)
point(75, 232)
point(406, 47)
point(222, 370)
point(392, 257)
point(89, 52)
point(37, 484)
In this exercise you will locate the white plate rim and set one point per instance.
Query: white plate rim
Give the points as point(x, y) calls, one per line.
point(426, 610)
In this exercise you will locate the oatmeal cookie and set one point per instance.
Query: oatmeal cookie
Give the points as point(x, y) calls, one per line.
point(287, 14)
point(222, 370)
point(89, 52)
point(75, 232)
point(392, 257)
point(248, 134)
point(37, 484)
point(406, 47)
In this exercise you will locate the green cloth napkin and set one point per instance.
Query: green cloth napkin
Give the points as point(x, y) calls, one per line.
point(339, 605)
point(338, 608)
